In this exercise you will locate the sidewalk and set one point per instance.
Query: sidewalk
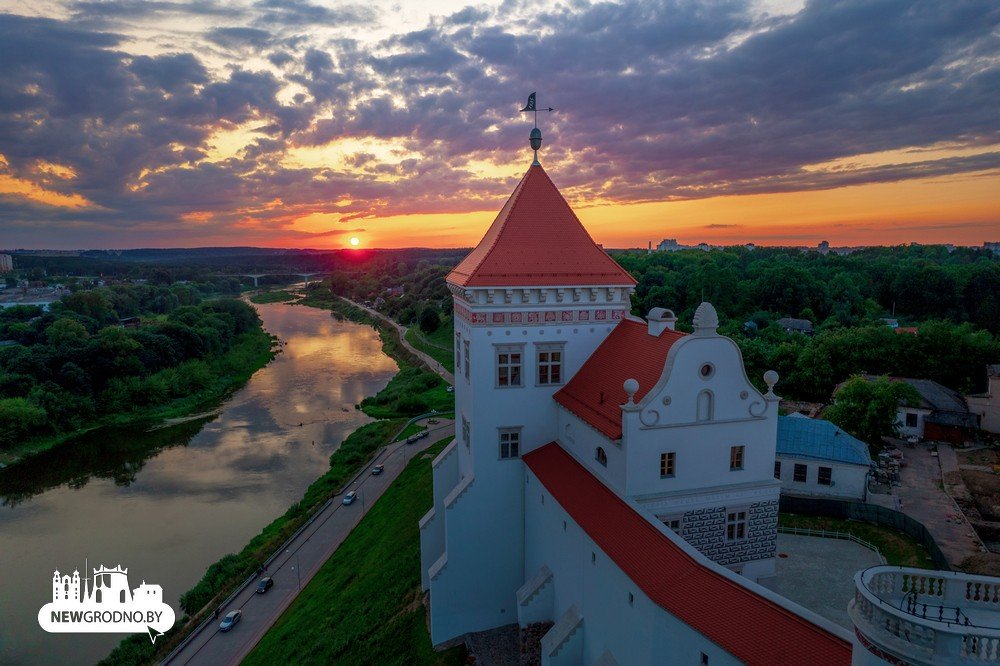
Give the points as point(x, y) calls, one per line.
point(426, 358)
point(294, 568)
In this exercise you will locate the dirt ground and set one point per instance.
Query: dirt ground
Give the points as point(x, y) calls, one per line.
point(983, 484)
point(986, 457)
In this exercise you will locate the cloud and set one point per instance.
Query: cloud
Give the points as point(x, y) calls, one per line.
point(721, 226)
point(656, 101)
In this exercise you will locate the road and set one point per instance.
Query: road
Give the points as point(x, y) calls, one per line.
point(294, 568)
point(426, 358)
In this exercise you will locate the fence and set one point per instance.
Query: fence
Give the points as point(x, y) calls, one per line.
point(869, 513)
point(828, 534)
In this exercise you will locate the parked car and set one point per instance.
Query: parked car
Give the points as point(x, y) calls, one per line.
point(264, 585)
point(378, 469)
point(231, 620)
point(450, 389)
point(350, 497)
point(423, 433)
point(412, 438)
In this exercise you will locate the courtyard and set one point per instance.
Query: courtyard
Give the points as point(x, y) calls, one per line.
point(818, 573)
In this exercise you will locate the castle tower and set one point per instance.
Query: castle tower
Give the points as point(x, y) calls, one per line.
point(532, 301)
point(111, 586)
point(74, 587)
point(57, 589)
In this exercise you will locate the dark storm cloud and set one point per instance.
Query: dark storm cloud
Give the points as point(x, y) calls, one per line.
point(655, 101)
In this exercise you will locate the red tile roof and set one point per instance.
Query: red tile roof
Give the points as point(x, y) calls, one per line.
point(595, 392)
point(537, 240)
point(752, 628)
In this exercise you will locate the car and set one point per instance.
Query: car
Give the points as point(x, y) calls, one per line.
point(350, 497)
point(412, 438)
point(378, 469)
point(450, 389)
point(423, 433)
point(231, 620)
point(264, 585)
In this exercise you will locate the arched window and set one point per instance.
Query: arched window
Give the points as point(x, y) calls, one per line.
point(705, 406)
point(121, 597)
point(99, 595)
point(601, 456)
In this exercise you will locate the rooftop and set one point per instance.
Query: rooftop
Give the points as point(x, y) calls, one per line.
point(537, 241)
point(596, 393)
point(932, 395)
point(751, 627)
point(816, 438)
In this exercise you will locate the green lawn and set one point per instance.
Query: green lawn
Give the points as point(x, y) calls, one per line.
point(363, 606)
point(272, 297)
point(439, 345)
point(897, 548)
point(410, 392)
point(411, 429)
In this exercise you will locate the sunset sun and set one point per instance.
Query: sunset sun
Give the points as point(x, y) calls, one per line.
point(355, 241)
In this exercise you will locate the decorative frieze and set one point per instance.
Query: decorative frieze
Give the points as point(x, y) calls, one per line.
point(537, 317)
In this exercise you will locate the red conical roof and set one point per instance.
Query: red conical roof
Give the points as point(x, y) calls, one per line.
point(537, 241)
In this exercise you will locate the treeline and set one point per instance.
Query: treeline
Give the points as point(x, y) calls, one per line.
point(76, 363)
point(917, 282)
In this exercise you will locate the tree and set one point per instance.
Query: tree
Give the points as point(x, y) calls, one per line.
point(867, 409)
point(66, 331)
point(19, 420)
point(429, 320)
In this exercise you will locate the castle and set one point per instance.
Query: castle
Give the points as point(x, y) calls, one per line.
point(611, 484)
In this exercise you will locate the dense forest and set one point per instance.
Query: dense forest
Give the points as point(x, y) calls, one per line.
point(951, 297)
point(64, 369)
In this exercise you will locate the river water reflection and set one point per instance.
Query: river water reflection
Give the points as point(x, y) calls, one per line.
point(166, 504)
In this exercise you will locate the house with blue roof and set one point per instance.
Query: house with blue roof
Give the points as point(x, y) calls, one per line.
point(815, 458)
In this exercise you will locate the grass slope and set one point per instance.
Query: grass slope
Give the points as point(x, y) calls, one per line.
point(897, 548)
point(363, 606)
point(439, 345)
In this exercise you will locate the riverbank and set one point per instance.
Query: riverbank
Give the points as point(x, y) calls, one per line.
point(364, 604)
point(228, 573)
point(224, 375)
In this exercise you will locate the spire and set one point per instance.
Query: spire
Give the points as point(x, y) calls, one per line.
point(537, 241)
point(535, 138)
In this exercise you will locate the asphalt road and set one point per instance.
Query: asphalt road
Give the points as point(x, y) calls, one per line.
point(294, 568)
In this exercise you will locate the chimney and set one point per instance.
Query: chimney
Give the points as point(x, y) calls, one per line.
point(660, 319)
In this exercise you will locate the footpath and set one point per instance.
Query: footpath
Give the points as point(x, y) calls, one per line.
point(426, 358)
point(295, 567)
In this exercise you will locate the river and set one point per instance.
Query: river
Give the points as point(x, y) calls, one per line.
point(165, 504)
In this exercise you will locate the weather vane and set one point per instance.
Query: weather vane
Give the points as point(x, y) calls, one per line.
point(535, 138)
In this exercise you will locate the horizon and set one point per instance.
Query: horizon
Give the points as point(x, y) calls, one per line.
point(291, 123)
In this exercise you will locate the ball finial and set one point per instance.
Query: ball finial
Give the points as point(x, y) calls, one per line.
point(631, 387)
point(770, 378)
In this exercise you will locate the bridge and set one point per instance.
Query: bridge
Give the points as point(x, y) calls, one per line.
point(256, 276)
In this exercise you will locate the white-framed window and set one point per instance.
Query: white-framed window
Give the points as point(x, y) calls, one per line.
point(468, 353)
point(777, 469)
point(736, 457)
point(458, 351)
point(466, 432)
point(668, 464)
point(911, 420)
point(549, 363)
point(510, 443)
point(509, 365)
point(799, 473)
point(825, 476)
point(736, 525)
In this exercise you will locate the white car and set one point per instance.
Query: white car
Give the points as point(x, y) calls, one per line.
point(349, 498)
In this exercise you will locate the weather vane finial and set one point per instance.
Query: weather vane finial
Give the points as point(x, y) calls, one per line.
point(535, 139)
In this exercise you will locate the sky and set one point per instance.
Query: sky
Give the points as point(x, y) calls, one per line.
point(299, 123)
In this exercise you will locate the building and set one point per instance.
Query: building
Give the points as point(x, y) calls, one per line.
point(986, 406)
point(6, 263)
point(792, 325)
point(941, 415)
point(993, 247)
point(815, 458)
point(611, 485)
